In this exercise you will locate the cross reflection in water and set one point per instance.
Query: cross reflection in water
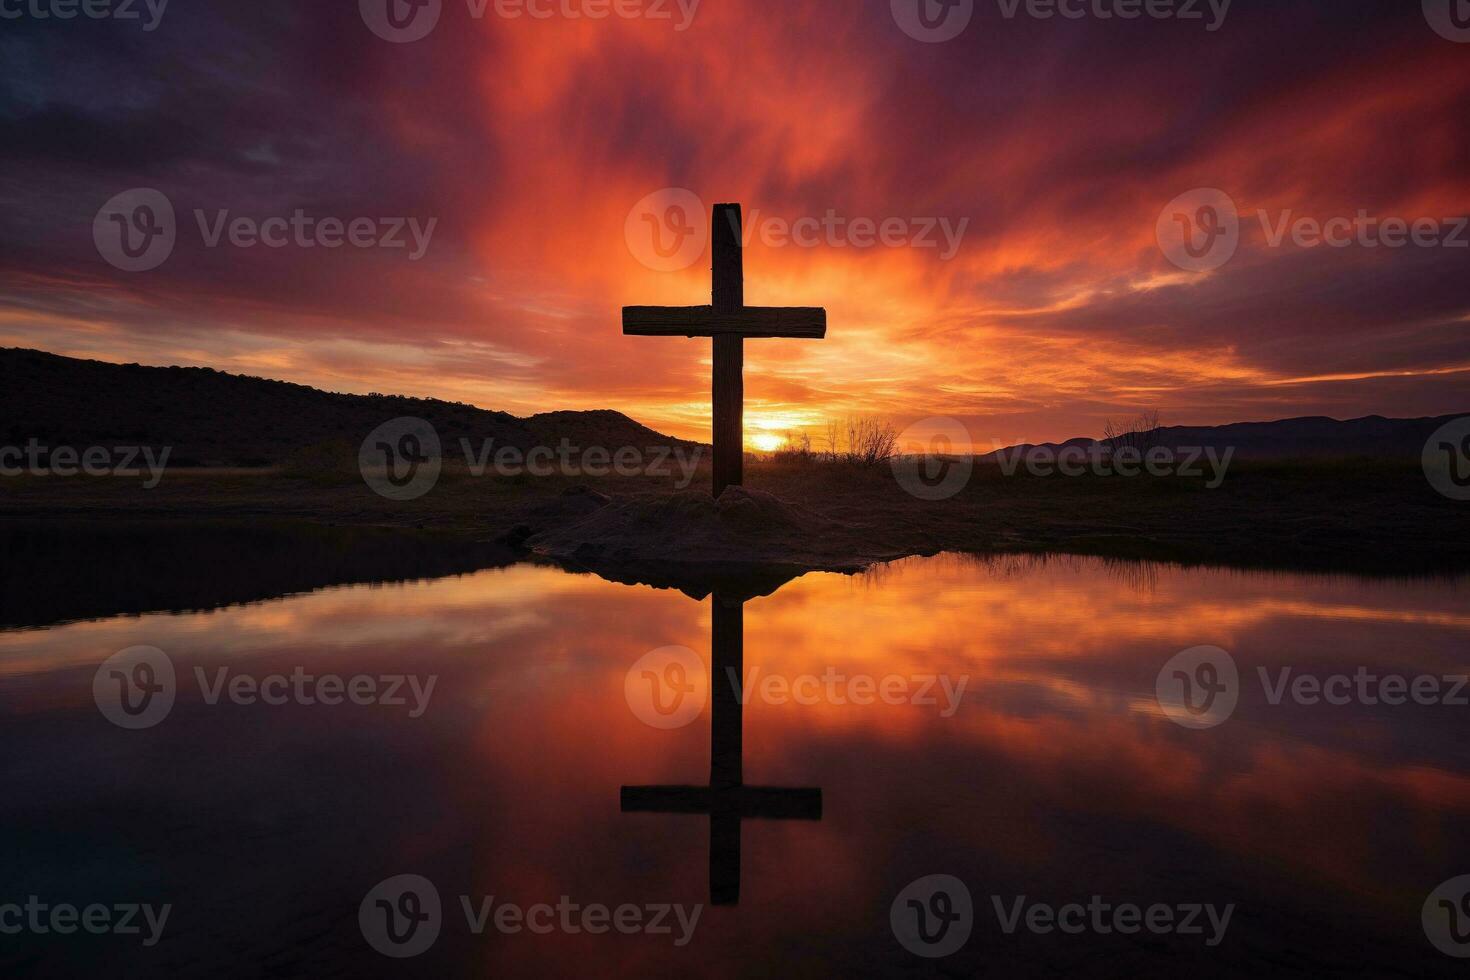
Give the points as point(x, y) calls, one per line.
point(726, 799)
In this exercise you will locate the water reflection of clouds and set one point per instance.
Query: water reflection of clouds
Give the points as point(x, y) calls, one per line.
point(1056, 760)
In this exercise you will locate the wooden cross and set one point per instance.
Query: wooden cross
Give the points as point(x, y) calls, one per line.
point(726, 799)
point(729, 321)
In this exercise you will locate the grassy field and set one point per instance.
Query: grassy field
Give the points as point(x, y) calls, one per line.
point(1369, 517)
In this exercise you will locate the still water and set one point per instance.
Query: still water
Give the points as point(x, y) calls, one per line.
point(994, 721)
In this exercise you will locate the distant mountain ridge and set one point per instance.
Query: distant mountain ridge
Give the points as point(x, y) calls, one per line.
point(212, 418)
point(1308, 437)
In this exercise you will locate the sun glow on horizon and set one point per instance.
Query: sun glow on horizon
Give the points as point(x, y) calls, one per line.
point(767, 442)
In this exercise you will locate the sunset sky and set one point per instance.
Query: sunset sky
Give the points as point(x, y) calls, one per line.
point(1055, 143)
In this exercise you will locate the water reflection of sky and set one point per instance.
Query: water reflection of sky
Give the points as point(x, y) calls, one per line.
point(1056, 778)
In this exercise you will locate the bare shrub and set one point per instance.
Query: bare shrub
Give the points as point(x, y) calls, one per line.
point(1137, 434)
point(797, 449)
point(872, 442)
point(869, 441)
point(859, 440)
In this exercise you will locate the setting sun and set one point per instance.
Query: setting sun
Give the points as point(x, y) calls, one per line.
point(767, 442)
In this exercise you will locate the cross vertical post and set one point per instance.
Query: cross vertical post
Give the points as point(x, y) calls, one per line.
point(727, 746)
point(726, 799)
point(727, 295)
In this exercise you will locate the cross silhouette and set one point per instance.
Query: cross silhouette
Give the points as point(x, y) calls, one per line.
point(729, 321)
point(726, 799)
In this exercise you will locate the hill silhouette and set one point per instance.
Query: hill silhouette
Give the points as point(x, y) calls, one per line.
point(1308, 437)
point(211, 418)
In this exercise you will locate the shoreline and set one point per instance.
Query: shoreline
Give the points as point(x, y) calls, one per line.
point(1357, 517)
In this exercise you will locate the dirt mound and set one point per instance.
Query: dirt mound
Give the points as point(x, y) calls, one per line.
point(689, 534)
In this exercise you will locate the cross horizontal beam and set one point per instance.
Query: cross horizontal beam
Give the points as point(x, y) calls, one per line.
point(751, 802)
point(806, 322)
